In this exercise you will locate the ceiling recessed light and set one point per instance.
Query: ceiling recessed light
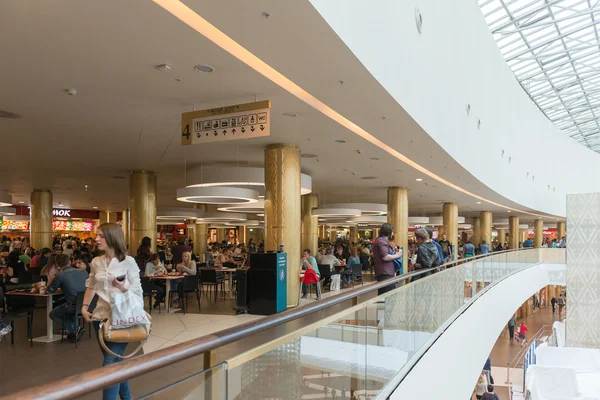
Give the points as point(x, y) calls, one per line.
point(309, 155)
point(340, 141)
point(478, 202)
point(419, 180)
point(509, 211)
point(163, 67)
point(95, 208)
point(9, 115)
point(21, 202)
point(60, 205)
point(290, 114)
point(375, 158)
point(203, 68)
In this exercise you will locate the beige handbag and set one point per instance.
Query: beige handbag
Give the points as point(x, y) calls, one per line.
point(136, 333)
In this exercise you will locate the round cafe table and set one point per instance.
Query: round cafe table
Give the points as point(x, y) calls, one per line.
point(168, 279)
point(49, 323)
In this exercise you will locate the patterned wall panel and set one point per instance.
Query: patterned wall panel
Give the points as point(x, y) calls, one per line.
point(583, 271)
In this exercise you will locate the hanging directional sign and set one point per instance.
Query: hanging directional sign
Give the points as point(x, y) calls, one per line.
point(241, 121)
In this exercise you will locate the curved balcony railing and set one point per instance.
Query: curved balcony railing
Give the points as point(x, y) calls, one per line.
point(357, 341)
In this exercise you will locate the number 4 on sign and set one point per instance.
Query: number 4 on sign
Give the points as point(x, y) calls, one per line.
point(186, 132)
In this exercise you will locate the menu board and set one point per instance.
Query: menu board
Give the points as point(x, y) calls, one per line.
point(78, 226)
point(15, 225)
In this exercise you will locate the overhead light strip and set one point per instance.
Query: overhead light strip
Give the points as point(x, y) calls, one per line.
point(212, 33)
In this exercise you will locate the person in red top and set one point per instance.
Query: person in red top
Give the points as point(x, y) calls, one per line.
point(522, 332)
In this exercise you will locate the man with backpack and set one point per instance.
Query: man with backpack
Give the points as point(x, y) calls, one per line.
point(427, 254)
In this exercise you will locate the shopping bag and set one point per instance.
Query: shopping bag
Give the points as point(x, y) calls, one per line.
point(127, 310)
point(335, 283)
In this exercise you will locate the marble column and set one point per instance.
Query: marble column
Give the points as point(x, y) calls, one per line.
point(125, 225)
point(476, 239)
point(397, 206)
point(142, 206)
point(283, 223)
point(538, 233)
point(561, 228)
point(450, 221)
point(353, 234)
point(200, 233)
point(41, 219)
point(310, 223)
point(486, 226)
point(513, 227)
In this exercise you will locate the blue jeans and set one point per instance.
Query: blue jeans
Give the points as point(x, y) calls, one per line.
point(120, 389)
point(346, 276)
point(61, 311)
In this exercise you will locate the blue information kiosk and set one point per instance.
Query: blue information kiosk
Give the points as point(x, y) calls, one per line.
point(267, 283)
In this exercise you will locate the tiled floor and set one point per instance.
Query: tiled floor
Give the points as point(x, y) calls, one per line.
point(44, 363)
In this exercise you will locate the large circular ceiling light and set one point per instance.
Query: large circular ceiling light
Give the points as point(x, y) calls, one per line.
point(217, 195)
point(440, 220)
point(418, 220)
point(176, 213)
point(367, 219)
point(336, 212)
point(365, 208)
point(244, 223)
point(252, 208)
point(8, 211)
point(249, 177)
point(5, 199)
point(219, 216)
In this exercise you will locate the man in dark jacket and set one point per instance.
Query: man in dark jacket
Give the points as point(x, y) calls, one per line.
point(70, 280)
point(427, 254)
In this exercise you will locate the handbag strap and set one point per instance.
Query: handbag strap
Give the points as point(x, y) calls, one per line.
point(133, 353)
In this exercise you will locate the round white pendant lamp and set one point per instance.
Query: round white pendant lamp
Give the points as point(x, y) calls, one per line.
point(365, 208)
point(217, 195)
point(176, 213)
point(219, 216)
point(440, 220)
point(336, 212)
point(251, 208)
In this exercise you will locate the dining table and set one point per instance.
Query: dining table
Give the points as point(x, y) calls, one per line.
point(168, 278)
point(230, 272)
point(50, 337)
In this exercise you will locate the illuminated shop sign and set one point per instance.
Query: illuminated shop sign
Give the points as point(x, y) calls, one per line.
point(61, 213)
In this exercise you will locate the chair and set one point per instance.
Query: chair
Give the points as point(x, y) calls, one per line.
point(147, 291)
point(18, 307)
point(208, 277)
point(78, 319)
point(357, 273)
point(325, 270)
point(11, 319)
point(365, 262)
point(188, 285)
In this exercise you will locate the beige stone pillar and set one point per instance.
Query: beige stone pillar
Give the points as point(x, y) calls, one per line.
point(501, 236)
point(397, 207)
point(103, 217)
point(220, 235)
point(513, 228)
point(523, 236)
point(375, 233)
point(486, 226)
point(310, 223)
point(112, 217)
point(200, 233)
point(142, 209)
point(561, 230)
point(283, 223)
point(125, 225)
point(450, 221)
point(476, 239)
point(41, 219)
point(538, 233)
point(242, 234)
point(353, 234)
point(332, 234)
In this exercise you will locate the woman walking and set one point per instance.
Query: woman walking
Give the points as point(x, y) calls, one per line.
point(111, 273)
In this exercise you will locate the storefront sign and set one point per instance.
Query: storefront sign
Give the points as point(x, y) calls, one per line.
point(61, 212)
point(240, 121)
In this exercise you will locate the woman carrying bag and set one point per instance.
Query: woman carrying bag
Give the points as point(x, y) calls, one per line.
point(115, 279)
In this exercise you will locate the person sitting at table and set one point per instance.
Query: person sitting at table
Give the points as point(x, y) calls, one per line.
point(50, 269)
point(312, 274)
point(352, 260)
point(320, 254)
point(17, 271)
point(153, 268)
point(70, 280)
point(82, 261)
point(187, 265)
point(330, 259)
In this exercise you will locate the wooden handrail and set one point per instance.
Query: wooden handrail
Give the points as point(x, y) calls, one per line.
point(99, 378)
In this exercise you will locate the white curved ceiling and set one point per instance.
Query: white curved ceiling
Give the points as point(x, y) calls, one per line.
point(553, 48)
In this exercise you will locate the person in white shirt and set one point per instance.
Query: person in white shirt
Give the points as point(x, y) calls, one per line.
point(187, 265)
point(153, 268)
point(105, 270)
point(237, 251)
point(330, 259)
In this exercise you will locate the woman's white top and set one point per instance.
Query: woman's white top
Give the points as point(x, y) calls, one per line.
point(191, 270)
point(102, 276)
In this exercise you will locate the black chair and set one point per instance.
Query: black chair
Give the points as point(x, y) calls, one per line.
point(325, 270)
point(208, 277)
point(189, 284)
point(147, 291)
point(357, 274)
point(364, 261)
point(18, 307)
point(78, 319)
point(11, 320)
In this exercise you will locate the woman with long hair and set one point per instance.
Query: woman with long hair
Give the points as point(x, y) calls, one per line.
point(187, 265)
point(50, 269)
point(144, 253)
point(106, 270)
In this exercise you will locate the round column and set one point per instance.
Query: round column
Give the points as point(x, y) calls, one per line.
point(200, 233)
point(513, 228)
point(242, 234)
point(538, 233)
point(476, 239)
point(283, 210)
point(125, 225)
point(332, 234)
point(310, 223)
point(142, 209)
point(353, 234)
point(375, 233)
point(450, 221)
point(486, 226)
point(561, 229)
point(41, 219)
point(502, 236)
point(397, 206)
point(523, 236)
point(220, 235)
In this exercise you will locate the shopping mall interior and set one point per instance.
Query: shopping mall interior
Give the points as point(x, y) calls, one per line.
point(310, 199)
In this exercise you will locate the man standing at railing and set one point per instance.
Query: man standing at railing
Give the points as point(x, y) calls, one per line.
point(383, 259)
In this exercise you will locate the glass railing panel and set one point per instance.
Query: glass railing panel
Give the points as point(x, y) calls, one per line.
point(209, 384)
